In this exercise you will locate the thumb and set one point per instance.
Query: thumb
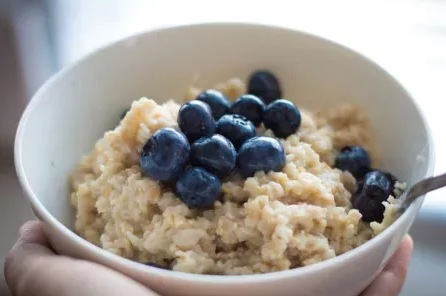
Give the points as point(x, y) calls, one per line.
point(390, 281)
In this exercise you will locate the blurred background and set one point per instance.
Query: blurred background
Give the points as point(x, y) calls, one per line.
point(408, 38)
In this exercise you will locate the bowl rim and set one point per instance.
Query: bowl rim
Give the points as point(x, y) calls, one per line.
point(104, 256)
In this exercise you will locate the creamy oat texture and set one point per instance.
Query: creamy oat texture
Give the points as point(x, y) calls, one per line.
point(266, 223)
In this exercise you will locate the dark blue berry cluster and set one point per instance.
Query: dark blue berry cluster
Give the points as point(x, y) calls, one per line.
point(374, 186)
point(216, 137)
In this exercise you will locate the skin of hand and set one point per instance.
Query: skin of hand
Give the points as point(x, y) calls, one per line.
point(390, 281)
point(33, 269)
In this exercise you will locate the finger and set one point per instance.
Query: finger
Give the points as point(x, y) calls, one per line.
point(30, 248)
point(32, 232)
point(390, 281)
point(31, 268)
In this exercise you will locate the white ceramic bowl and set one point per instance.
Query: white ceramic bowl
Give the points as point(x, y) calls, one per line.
point(74, 108)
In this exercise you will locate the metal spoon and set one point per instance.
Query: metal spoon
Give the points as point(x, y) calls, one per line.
point(419, 189)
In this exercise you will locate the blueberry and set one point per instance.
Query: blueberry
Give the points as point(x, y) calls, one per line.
point(236, 128)
point(124, 113)
point(198, 188)
point(389, 176)
point(215, 154)
point(282, 117)
point(249, 106)
point(195, 120)
point(355, 160)
point(265, 85)
point(260, 154)
point(165, 154)
point(217, 101)
point(371, 192)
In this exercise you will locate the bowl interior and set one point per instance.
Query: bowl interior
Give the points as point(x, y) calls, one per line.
point(72, 111)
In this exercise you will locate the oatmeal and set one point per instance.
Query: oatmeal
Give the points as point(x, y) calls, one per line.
point(271, 221)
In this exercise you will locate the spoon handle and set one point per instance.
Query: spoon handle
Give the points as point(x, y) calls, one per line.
point(423, 187)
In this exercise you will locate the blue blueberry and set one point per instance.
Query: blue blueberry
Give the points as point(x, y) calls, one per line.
point(217, 101)
point(236, 128)
point(215, 154)
point(282, 117)
point(249, 106)
point(370, 194)
point(165, 154)
point(260, 154)
point(124, 113)
point(198, 188)
point(195, 120)
point(355, 160)
point(264, 85)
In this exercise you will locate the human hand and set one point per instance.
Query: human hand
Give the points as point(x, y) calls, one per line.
point(33, 269)
point(390, 281)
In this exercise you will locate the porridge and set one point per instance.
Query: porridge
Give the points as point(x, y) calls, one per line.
point(302, 191)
